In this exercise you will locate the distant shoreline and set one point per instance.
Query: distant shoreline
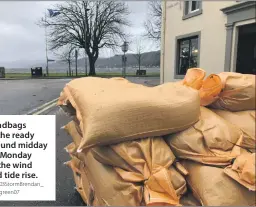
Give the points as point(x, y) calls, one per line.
point(82, 70)
point(65, 75)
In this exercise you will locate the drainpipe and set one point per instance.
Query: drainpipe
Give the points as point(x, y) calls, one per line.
point(162, 67)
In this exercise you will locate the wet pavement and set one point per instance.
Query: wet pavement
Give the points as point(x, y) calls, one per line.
point(20, 96)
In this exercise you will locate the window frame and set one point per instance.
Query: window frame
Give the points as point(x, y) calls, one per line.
point(177, 51)
point(191, 13)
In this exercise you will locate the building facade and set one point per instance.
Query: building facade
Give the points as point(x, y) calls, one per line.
point(216, 36)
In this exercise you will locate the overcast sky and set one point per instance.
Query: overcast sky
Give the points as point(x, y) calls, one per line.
point(22, 39)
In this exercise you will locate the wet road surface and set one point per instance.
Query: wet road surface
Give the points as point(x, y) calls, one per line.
point(20, 96)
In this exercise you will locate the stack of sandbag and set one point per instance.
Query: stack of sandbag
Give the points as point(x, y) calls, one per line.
point(220, 171)
point(245, 120)
point(219, 150)
point(212, 140)
point(118, 155)
point(230, 95)
point(131, 173)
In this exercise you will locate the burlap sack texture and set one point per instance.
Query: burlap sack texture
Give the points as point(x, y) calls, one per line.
point(212, 187)
point(136, 173)
point(227, 90)
point(83, 186)
point(189, 200)
point(238, 92)
point(149, 162)
point(246, 121)
point(110, 111)
point(210, 141)
point(243, 170)
point(106, 187)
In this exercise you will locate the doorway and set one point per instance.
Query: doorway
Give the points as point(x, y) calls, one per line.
point(246, 49)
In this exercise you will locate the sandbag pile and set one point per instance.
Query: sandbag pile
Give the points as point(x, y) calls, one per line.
point(173, 144)
point(219, 150)
point(118, 154)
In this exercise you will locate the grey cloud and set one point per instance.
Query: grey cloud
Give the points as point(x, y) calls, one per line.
point(22, 39)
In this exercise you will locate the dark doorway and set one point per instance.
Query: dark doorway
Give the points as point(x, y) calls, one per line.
point(246, 49)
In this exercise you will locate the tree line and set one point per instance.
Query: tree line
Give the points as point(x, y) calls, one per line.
point(93, 25)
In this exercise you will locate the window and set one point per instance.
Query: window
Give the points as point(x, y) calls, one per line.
point(187, 54)
point(192, 8)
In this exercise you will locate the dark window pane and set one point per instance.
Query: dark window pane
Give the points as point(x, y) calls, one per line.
point(184, 65)
point(187, 54)
point(194, 53)
point(194, 5)
point(183, 56)
point(184, 48)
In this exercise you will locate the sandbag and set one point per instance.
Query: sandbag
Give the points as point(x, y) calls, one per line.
point(74, 131)
point(194, 78)
point(210, 90)
point(149, 162)
point(245, 120)
point(213, 188)
point(85, 187)
point(112, 111)
point(88, 190)
point(109, 187)
point(238, 92)
point(243, 170)
point(106, 186)
point(210, 141)
point(82, 183)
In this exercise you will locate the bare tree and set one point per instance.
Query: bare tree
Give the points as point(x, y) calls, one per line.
point(139, 52)
point(91, 25)
point(153, 23)
point(66, 55)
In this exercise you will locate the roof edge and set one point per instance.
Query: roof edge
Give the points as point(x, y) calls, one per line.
point(237, 7)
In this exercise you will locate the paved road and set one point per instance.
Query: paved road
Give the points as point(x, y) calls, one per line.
point(66, 195)
point(21, 96)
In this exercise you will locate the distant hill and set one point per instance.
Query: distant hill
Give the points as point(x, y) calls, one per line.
point(149, 59)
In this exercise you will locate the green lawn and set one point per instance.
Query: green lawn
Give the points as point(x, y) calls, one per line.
point(64, 75)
